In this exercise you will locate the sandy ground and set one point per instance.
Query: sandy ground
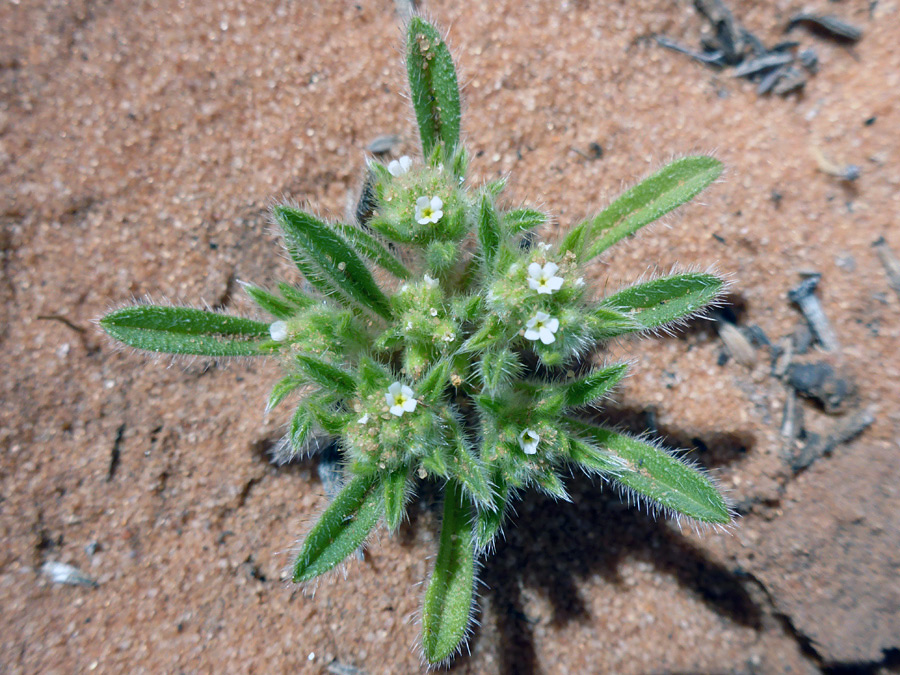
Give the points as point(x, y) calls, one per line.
point(140, 144)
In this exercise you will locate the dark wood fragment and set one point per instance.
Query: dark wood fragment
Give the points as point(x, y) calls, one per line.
point(827, 26)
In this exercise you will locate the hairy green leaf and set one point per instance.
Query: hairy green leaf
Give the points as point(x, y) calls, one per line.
point(594, 385)
point(658, 475)
point(459, 163)
point(185, 330)
point(301, 425)
point(595, 460)
point(448, 600)
point(368, 246)
point(662, 301)
point(268, 302)
point(499, 368)
point(496, 187)
point(282, 389)
point(489, 234)
point(342, 528)
point(672, 186)
point(550, 482)
point(605, 323)
point(433, 383)
point(327, 418)
point(522, 220)
point(488, 335)
point(432, 84)
point(326, 376)
point(295, 296)
point(488, 521)
point(327, 261)
point(469, 471)
point(395, 489)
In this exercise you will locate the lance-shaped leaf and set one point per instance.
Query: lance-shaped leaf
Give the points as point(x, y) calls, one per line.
point(498, 368)
point(469, 471)
point(459, 163)
point(326, 376)
point(489, 233)
point(448, 600)
point(342, 528)
point(395, 492)
point(549, 481)
point(488, 335)
point(651, 199)
point(595, 460)
point(433, 383)
point(489, 521)
point(327, 418)
point(496, 187)
point(522, 220)
point(664, 300)
point(594, 385)
point(282, 389)
point(432, 84)
point(295, 296)
point(299, 433)
point(269, 302)
point(657, 475)
point(327, 261)
point(185, 330)
point(368, 246)
point(605, 323)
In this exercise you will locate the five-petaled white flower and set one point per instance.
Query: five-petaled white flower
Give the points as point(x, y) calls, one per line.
point(430, 283)
point(542, 280)
point(278, 331)
point(401, 399)
point(542, 327)
point(528, 441)
point(428, 210)
point(398, 167)
point(364, 419)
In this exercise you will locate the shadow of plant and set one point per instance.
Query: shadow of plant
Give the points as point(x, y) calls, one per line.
point(551, 547)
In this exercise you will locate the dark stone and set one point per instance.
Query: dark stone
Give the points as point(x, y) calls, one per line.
point(820, 382)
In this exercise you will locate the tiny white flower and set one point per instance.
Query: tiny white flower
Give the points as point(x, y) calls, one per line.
point(428, 210)
point(528, 441)
point(409, 325)
point(364, 419)
point(543, 246)
point(404, 288)
point(278, 331)
point(430, 283)
point(398, 167)
point(433, 311)
point(401, 399)
point(541, 279)
point(542, 327)
point(579, 282)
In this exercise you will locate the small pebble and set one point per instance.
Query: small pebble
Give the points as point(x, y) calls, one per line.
point(61, 573)
point(820, 382)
